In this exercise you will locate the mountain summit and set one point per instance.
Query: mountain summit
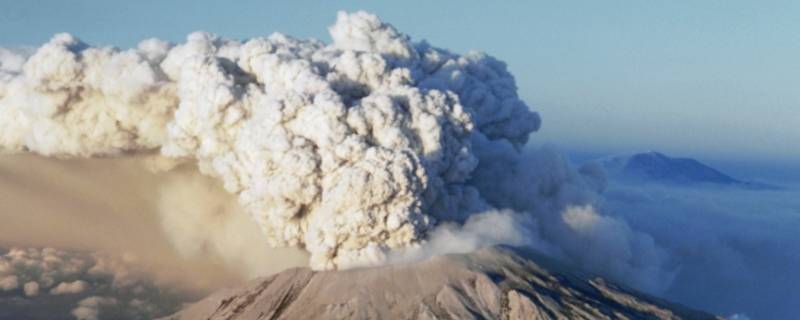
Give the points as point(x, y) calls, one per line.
point(492, 283)
point(657, 167)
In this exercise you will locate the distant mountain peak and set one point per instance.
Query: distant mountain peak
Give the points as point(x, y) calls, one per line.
point(654, 166)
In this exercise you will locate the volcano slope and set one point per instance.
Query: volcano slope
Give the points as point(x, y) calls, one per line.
point(492, 283)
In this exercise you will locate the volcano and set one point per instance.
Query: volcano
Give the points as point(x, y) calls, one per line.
point(492, 283)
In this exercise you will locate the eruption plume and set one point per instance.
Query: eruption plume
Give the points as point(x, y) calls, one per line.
point(349, 150)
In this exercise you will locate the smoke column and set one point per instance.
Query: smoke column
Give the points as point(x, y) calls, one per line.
point(350, 150)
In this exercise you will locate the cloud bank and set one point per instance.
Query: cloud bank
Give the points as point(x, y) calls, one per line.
point(55, 283)
point(734, 250)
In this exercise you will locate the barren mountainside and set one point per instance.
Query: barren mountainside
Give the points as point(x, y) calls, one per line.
point(492, 283)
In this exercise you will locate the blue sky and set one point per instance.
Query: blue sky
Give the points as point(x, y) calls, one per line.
point(712, 79)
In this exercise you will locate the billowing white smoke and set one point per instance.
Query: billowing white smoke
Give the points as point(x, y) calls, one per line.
point(348, 149)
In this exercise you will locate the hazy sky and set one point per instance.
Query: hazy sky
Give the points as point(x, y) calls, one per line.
point(701, 78)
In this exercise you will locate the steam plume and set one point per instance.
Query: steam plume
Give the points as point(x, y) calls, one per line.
point(348, 150)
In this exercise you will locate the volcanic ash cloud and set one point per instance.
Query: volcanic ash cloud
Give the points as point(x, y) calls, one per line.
point(348, 150)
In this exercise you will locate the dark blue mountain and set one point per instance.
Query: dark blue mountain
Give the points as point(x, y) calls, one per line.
point(659, 168)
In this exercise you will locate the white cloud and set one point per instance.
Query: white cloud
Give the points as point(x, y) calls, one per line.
point(76, 286)
point(89, 308)
point(31, 288)
point(9, 282)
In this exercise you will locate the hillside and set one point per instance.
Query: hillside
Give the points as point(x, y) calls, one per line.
point(493, 283)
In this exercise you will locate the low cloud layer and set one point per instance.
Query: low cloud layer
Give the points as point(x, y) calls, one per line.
point(56, 283)
point(734, 250)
